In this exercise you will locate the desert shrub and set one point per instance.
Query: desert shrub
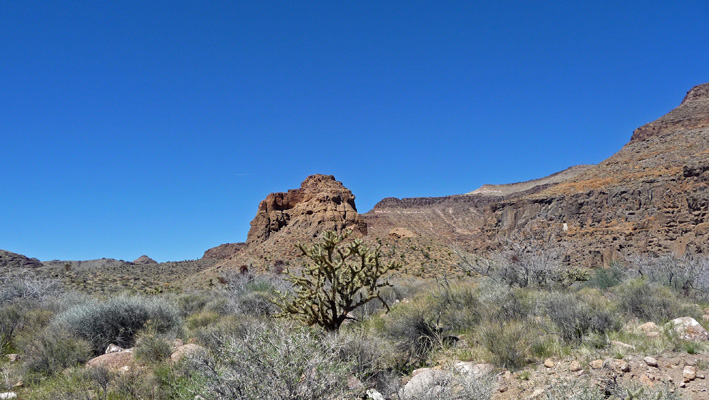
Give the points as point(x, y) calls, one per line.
point(192, 303)
point(230, 326)
point(651, 302)
point(250, 294)
point(502, 303)
point(522, 265)
point(575, 317)
point(414, 330)
point(23, 286)
point(53, 350)
point(605, 278)
point(688, 274)
point(579, 389)
point(151, 348)
point(275, 362)
point(457, 305)
point(507, 342)
point(202, 319)
point(118, 320)
point(10, 321)
point(365, 353)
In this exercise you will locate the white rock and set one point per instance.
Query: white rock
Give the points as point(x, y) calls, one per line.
point(689, 329)
point(689, 373)
point(8, 395)
point(427, 383)
point(374, 395)
point(112, 348)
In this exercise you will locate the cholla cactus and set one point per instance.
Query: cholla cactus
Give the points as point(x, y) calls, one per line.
point(336, 282)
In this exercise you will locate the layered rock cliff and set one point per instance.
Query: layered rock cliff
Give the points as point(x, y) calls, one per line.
point(650, 197)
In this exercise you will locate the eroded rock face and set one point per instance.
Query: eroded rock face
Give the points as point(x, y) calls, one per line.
point(320, 204)
point(13, 260)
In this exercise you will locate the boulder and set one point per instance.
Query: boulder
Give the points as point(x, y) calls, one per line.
point(113, 361)
point(574, 366)
point(689, 329)
point(186, 350)
point(689, 373)
point(112, 348)
point(649, 327)
point(372, 394)
point(651, 362)
point(475, 370)
point(8, 395)
point(427, 383)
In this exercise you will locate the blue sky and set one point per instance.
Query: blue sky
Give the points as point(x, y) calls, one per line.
point(132, 128)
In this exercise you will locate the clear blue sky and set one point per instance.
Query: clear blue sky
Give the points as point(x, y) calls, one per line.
point(148, 127)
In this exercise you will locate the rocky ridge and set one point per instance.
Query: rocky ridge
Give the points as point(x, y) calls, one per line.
point(12, 260)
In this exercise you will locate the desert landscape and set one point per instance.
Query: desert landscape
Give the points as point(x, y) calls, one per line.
point(591, 283)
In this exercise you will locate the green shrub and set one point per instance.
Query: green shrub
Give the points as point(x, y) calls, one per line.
point(275, 362)
point(651, 302)
point(414, 331)
point(202, 319)
point(507, 342)
point(10, 320)
point(605, 278)
point(151, 348)
point(118, 320)
point(574, 317)
point(366, 354)
point(54, 350)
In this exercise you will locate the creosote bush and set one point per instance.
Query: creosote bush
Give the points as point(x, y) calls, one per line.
point(272, 362)
point(575, 316)
point(338, 281)
point(53, 350)
point(652, 302)
point(151, 348)
point(118, 320)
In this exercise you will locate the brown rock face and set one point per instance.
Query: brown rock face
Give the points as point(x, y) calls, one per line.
point(14, 260)
point(321, 204)
point(223, 251)
point(692, 113)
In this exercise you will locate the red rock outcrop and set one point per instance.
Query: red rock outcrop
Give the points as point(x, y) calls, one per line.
point(321, 204)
